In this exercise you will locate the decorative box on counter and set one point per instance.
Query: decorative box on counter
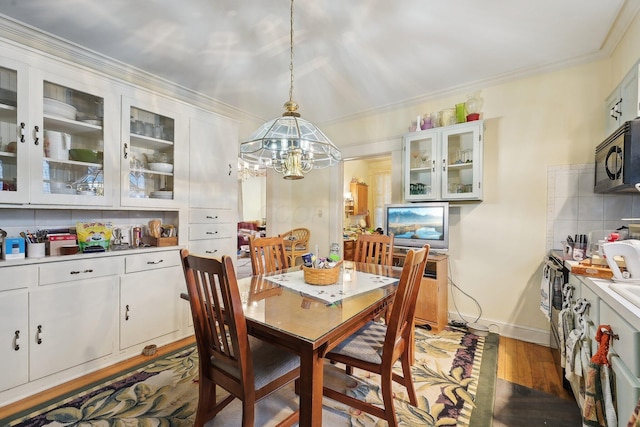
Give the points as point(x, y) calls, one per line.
point(57, 241)
point(160, 241)
point(13, 248)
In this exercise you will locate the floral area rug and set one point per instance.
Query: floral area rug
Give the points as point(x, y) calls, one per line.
point(454, 375)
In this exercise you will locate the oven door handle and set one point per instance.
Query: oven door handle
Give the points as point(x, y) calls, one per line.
point(553, 265)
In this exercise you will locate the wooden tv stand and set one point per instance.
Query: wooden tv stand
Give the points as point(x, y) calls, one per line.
point(433, 299)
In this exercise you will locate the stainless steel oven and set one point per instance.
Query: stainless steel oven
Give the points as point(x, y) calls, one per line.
point(557, 276)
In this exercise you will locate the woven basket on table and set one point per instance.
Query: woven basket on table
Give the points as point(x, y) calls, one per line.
point(321, 276)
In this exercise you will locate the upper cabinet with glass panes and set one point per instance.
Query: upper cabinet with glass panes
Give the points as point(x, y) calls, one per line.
point(444, 163)
point(151, 164)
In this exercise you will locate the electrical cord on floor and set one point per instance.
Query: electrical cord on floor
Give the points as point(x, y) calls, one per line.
point(454, 286)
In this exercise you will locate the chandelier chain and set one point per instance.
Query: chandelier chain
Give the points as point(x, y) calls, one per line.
point(291, 54)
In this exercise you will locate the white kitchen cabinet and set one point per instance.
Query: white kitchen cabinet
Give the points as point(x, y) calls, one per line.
point(153, 156)
point(14, 330)
point(213, 182)
point(444, 163)
point(53, 128)
point(71, 324)
point(150, 304)
point(624, 350)
point(623, 103)
point(213, 161)
point(14, 327)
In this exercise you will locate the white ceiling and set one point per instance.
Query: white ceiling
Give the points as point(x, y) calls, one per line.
point(350, 56)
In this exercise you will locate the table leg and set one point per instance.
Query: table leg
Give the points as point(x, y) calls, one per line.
point(311, 382)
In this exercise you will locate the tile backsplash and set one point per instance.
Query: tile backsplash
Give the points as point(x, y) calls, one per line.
point(13, 221)
point(573, 207)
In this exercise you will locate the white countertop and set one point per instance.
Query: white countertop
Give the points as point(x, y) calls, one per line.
point(627, 310)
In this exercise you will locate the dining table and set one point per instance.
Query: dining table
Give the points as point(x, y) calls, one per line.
point(310, 320)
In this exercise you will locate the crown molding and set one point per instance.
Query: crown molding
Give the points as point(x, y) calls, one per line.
point(27, 37)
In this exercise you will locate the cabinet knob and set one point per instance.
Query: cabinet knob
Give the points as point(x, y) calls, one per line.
point(39, 335)
point(16, 341)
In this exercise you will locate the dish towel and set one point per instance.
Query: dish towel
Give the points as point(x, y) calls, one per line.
point(545, 292)
point(598, 410)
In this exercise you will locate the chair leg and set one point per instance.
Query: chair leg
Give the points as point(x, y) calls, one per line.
point(386, 383)
point(206, 400)
point(248, 413)
point(408, 378)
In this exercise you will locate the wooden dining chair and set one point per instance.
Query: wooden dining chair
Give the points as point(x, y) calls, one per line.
point(296, 243)
point(376, 347)
point(374, 249)
point(246, 367)
point(268, 255)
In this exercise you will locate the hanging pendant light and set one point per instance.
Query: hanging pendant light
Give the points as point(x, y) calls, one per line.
point(289, 144)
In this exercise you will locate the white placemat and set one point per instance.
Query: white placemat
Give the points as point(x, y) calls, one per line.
point(349, 283)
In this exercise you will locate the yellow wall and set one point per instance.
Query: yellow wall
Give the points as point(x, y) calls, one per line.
point(497, 245)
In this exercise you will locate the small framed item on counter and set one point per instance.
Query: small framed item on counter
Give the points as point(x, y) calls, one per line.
point(13, 248)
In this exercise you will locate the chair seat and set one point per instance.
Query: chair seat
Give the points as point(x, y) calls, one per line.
point(269, 362)
point(366, 344)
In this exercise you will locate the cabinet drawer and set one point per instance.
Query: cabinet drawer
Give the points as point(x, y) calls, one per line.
point(151, 261)
point(67, 271)
point(213, 247)
point(18, 277)
point(627, 346)
point(210, 216)
point(212, 231)
point(627, 390)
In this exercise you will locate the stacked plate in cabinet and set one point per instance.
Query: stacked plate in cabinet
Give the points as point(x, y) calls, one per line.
point(161, 195)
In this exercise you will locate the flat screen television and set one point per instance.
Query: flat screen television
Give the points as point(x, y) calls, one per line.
point(414, 224)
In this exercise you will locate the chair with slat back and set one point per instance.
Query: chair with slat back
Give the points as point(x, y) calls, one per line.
point(376, 347)
point(246, 367)
point(374, 249)
point(267, 255)
point(296, 243)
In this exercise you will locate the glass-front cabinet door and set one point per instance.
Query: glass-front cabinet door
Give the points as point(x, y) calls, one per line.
point(462, 161)
point(421, 160)
point(70, 160)
point(14, 172)
point(151, 165)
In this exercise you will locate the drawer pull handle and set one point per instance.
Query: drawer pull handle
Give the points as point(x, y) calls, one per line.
point(89, 270)
point(154, 262)
point(36, 135)
point(212, 217)
point(16, 341)
point(39, 335)
point(211, 252)
point(126, 312)
point(211, 232)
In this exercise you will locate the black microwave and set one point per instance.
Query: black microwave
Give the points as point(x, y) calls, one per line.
point(618, 160)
